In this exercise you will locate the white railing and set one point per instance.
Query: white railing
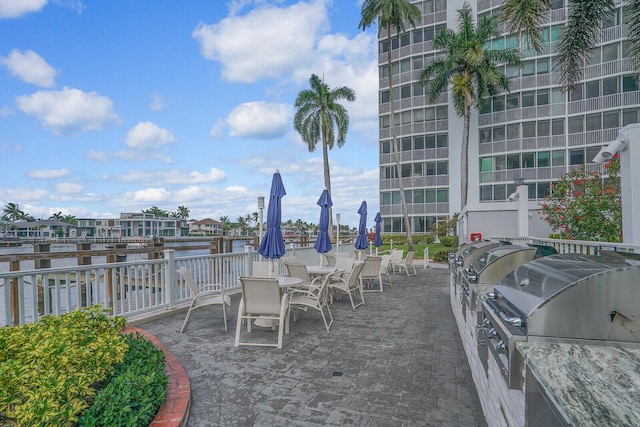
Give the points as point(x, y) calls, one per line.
point(130, 288)
point(572, 246)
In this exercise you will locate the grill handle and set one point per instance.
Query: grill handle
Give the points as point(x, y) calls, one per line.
point(515, 321)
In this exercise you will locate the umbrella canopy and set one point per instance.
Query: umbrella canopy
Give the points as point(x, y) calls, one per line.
point(377, 242)
point(323, 243)
point(361, 240)
point(272, 245)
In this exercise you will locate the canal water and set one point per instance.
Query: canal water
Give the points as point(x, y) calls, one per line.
point(237, 246)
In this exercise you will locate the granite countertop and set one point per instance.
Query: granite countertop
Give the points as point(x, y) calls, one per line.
point(593, 385)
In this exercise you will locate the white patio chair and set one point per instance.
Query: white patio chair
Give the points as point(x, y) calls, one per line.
point(295, 269)
point(343, 266)
point(331, 259)
point(211, 294)
point(349, 285)
point(385, 266)
point(396, 259)
point(371, 272)
point(407, 263)
point(315, 297)
point(261, 300)
point(261, 269)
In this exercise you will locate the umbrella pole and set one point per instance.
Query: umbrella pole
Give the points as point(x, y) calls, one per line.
point(272, 268)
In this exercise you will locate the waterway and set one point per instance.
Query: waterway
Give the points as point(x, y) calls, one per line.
point(237, 246)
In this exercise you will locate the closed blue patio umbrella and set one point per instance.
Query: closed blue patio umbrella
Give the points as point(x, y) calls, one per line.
point(377, 242)
point(323, 243)
point(361, 240)
point(272, 245)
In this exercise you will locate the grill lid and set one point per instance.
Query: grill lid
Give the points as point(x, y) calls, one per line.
point(475, 247)
point(493, 255)
point(532, 284)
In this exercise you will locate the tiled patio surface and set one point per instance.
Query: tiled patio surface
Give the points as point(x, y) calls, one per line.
point(396, 361)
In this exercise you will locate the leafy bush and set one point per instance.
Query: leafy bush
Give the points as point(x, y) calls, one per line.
point(584, 206)
point(135, 393)
point(441, 256)
point(449, 241)
point(50, 370)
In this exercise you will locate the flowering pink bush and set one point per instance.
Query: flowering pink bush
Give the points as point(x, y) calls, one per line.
point(585, 206)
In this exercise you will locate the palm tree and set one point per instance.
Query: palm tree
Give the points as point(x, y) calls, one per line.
point(183, 211)
point(57, 216)
point(225, 224)
point(70, 219)
point(319, 115)
point(582, 33)
point(392, 14)
point(470, 67)
point(12, 212)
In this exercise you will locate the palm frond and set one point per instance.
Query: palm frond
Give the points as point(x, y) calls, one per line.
point(524, 18)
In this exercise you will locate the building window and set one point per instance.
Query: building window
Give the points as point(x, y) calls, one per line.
point(500, 192)
point(576, 157)
point(498, 133)
point(484, 135)
point(594, 122)
point(591, 153)
point(544, 189)
point(430, 196)
point(528, 129)
point(542, 97)
point(417, 36)
point(544, 128)
point(385, 147)
point(513, 131)
point(442, 195)
point(528, 99)
point(576, 124)
point(418, 196)
point(528, 160)
point(543, 159)
point(557, 158)
point(557, 127)
point(406, 170)
point(629, 83)
point(486, 193)
point(592, 89)
point(442, 140)
point(384, 96)
point(513, 161)
point(418, 115)
point(513, 101)
point(418, 142)
point(405, 144)
point(610, 86)
point(611, 120)
point(486, 164)
point(405, 92)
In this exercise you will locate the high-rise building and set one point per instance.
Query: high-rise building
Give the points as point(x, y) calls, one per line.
point(538, 131)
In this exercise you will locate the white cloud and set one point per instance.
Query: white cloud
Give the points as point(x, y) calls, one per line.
point(69, 110)
point(157, 104)
point(286, 38)
point(66, 188)
point(173, 177)
point(259, 120)
point(149, 195)
point(17, 8)
point(76, 5)
point(30, 67)
point(148, 135)
point(217, 130)
point(101, 156)
point(6, 111)
point(49, 173)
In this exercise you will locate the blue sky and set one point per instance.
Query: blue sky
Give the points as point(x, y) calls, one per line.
point(116, 106)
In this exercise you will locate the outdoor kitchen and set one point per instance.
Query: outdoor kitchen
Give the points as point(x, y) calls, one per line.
point(550, 339)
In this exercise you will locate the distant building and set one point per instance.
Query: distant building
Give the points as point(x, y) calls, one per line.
point(205, 226)
point(141, 224)
point(43, 229)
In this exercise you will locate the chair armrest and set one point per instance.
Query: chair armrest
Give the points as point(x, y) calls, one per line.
point(212, 287)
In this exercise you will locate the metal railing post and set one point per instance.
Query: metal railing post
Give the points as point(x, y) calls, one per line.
point(169, 255)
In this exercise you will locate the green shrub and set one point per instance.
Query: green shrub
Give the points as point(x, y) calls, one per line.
point(441, 256)
point(449, 241)
point(135, 393)
point(429, 239)
point(50, 370)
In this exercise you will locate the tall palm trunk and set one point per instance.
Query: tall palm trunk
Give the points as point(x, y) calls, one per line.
point(327, 180)
point(396, 148)
point(464, 161)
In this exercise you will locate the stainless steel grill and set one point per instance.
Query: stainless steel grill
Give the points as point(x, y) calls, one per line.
point(488, 269)
point(466, 256)
point(566, 297)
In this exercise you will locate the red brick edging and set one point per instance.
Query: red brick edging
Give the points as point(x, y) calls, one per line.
point(175, 411)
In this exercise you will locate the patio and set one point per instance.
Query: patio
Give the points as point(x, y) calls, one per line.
point(396, 361)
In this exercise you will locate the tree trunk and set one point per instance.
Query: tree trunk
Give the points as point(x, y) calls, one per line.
point(327, 178)
point(464, 176)
point(396, 149)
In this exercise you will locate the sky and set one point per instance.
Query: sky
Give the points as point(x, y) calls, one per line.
point(117, 106)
